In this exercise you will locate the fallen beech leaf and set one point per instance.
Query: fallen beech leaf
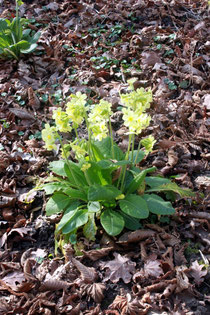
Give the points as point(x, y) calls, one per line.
point(166, 144)
point(96, 254)
point(125, 306)
point(150, 58)
point(136, 236)
point(95, 290)
point(22, 114)
point(172, 157)
point(153, 268)
point(14, 279)
point(33, 100)
point(182, 279)
point(87, 274)
point(198, 272)
point(54, 284)
point(120, 267)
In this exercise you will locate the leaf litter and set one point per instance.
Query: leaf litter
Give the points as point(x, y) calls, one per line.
point(94, 47)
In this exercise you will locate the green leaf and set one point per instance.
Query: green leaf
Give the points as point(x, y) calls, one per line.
point(103, 150)
point(35, 38)
point(97, 176)
point(72, 208)
point(77, 219)
point(3, 25)
point(75, 175)
point(90, 229)
point(173, 187)
point(94, 206)
point(135, 206)
point(103, 193)
point(57, 167)
point(158, 205)
point(50, 188)
point(130, 222)
point(112, 222)
point(31, 48)
point(23, 44)
point(57, 203)
point(139, 158)
point(75, 194)
point(156, 181)
point(138, 180)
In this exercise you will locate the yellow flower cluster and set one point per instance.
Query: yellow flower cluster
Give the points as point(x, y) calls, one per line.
point(79, 148)
point(61, 120)
point(136, 103)
point(148, 143)
point(75, 108)
point(49, 137)
point(98, 118)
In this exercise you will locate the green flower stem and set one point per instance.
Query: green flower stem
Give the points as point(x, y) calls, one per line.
point(132, 148)
point(87, 178)
point(125, 166)
point(76, 133)
point(138, 149)
point(90, 151)
point(111, 136)
point(67, 161)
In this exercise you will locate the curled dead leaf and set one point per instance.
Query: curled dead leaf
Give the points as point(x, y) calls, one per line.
point(136, 236)
point(88, 274)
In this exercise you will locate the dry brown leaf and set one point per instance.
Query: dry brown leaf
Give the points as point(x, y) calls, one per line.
point(172, 157)
point(87, 274)
point(120, 267)
point(22, 114)
point(33, 100)
point(126, 306)
point(153, 268)
point(150, 58)
point(14, 279)
point(96, 254)
point(198, 272)
point(136, 236)
point(182, 279)
point(95, 290)
point(54, 284)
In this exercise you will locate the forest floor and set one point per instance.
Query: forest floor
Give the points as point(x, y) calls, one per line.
point(95, 47)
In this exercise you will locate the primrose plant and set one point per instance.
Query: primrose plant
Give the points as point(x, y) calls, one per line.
point(14, 38)
point(102, 184)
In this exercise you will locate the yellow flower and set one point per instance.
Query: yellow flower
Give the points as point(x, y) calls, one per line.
point(65, 151)
point(79, 151)
point(99, 112)
point(75, 108)
point(99, 130)
point(148, 143)
point(61, 120)
point(49, 137)
point(85, 167)
point(137, 100)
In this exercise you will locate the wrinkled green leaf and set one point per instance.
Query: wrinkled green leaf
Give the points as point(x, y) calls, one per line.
point(135, 206)
point(57, 203)
point(94, 206)
point(172, 187)
point(103, 193)
point(131, 223)
point(112, 222)
point(90, 229)
point(78, 218)
point(158, 205)
point(138, 180)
